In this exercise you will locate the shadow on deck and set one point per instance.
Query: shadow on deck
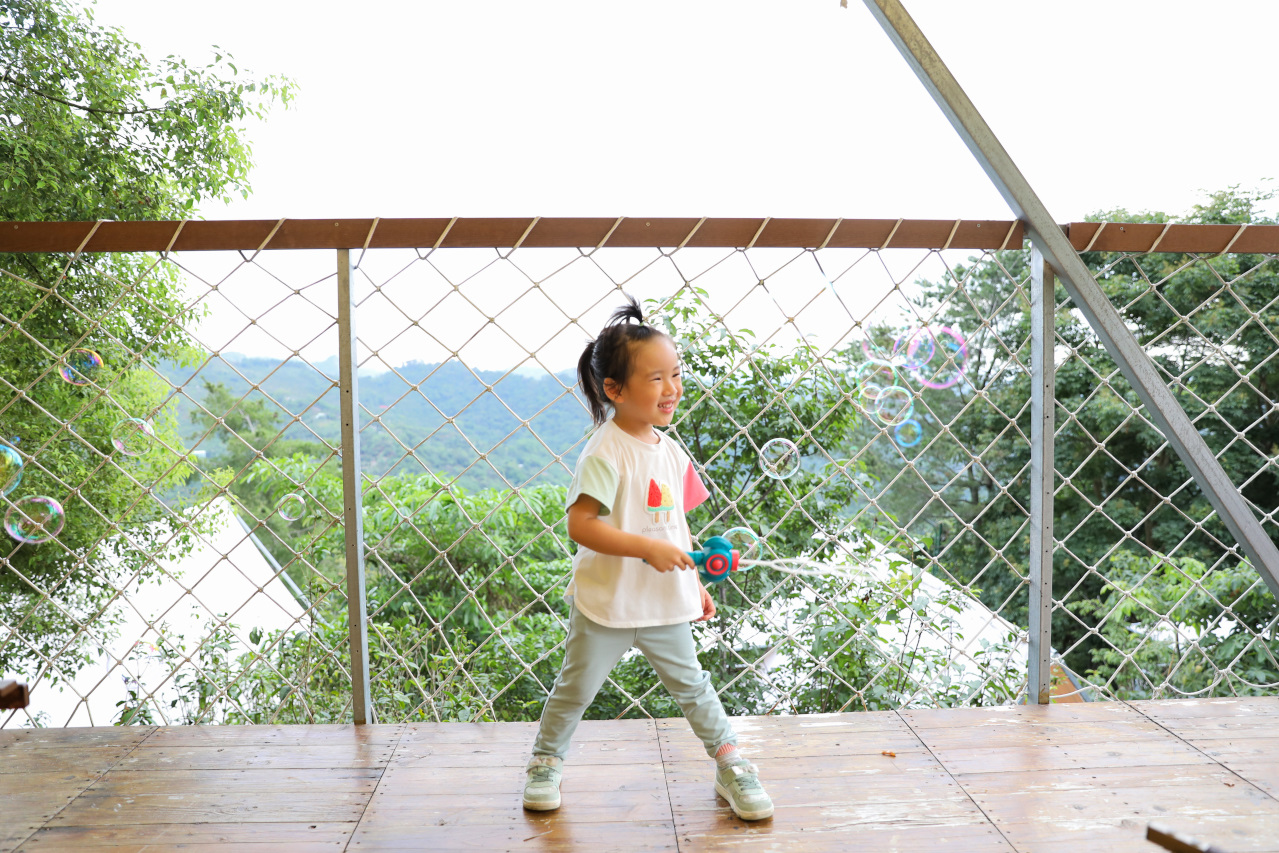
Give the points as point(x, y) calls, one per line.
point(1056, 778)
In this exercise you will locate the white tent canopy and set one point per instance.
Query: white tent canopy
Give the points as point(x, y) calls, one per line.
point(226, 578)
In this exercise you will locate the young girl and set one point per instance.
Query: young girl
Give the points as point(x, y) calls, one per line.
point(634, 583)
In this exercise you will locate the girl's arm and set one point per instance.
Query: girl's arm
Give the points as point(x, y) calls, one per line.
point(586, 528)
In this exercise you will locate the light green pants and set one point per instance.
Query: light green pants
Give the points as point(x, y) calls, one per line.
point(591, 653)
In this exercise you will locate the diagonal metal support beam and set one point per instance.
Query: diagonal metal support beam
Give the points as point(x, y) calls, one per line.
point(1046, 236)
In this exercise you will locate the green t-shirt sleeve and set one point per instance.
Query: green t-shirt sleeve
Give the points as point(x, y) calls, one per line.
point(597, 478)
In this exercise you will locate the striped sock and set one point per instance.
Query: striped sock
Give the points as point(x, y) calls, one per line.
point(727, 756)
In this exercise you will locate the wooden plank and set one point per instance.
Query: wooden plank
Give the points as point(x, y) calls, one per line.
point(1236, 833)
point(512, 755)
point(1095, 778)
point(524, 733)
point(875, 743)
point(90, 809)
point(1227, 750)
point(929, 826)
point(750, 735)
point(582, 807)
point(1263, 773)
point(798, 726)
point(238, 757)
point(1051, 757)
point(856, 769)
point(425, 781)
point(315, 780)
point(14, 828)
point(1130, 801)
point(38, 806)
point(788, 793)
point(1018, 714)
point(1250, 706)
point(21, 783)
point(563, 836)
point(121, 736)
point(305, 835)
point(23, 814)
point(91, 760)
point(1120, 839)
point(291, 735)
point(1193, 728)
point(1061, 734)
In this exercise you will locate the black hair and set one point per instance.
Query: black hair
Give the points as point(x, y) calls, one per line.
point(609, 355)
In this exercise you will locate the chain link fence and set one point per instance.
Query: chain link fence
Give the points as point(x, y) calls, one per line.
point(183, 411)
point(1154, 597)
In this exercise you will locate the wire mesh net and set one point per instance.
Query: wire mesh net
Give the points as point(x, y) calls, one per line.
point(171, 592)
point(182, 411)
point(1155, 599)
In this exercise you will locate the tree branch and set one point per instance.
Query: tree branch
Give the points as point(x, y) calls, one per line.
point(8, 78)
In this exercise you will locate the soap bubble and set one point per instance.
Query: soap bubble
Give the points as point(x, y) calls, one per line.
point(132, 436)
point(779, 457)
point(10, 469)
point(872, 378)
point(745, 542)
point(873, 352)
point(914, 348)
point(908, 432)
point(291, 507)
point(948, 365)
point(80, 366)
point(894, 405)
point(34, 520)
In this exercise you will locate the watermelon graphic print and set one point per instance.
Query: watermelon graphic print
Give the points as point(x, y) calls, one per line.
point(661, 500)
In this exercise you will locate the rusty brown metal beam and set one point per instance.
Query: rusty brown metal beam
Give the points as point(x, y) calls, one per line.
point(504, 233)
point(224, 235)
point(1197, 239)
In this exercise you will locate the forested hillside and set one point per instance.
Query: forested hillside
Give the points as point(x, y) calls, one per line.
point(406, 418)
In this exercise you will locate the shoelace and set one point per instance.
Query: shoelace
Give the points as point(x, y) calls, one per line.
point(542, 773)
point(747, 777)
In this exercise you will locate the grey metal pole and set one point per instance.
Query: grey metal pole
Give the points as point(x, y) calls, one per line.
point(1042, 404)
point(1088, 297)
point(352, 494)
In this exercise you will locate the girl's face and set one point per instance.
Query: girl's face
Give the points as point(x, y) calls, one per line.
point(654, 387)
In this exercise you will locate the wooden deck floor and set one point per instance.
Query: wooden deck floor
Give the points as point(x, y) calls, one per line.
point(1057, 778)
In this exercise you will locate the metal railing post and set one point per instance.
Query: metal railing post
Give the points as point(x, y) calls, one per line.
point(352, 494)
point(1042, 402)
point(1083, 289)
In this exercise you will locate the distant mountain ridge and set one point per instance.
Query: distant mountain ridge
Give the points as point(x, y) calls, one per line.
point(445, 416)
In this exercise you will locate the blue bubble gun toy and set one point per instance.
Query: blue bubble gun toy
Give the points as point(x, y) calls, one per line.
point(716, 559)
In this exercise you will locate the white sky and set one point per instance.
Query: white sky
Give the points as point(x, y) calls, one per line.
point(731, 108)
point(741, 108)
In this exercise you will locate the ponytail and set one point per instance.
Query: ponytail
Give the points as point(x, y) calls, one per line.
point(595, 398)
point(609, 356)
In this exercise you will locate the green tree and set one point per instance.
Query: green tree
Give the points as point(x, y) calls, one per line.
point(1209, 325)
point(90, 129)
point(738, 395)
point(1168, 634)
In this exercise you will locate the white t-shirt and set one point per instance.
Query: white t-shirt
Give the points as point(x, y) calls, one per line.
point(644, 489)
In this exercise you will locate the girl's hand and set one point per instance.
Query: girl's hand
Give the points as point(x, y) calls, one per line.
point(708, 606)
point(664, 556)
